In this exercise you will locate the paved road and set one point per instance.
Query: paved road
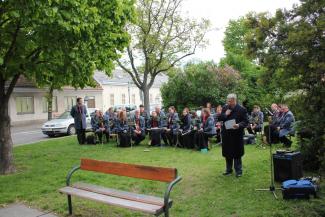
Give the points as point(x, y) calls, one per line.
point(27, 134)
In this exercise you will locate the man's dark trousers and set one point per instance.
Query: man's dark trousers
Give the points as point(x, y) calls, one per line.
point(81, 136)
point(237, 165)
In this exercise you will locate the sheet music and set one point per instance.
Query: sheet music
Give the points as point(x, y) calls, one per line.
point(230, 124)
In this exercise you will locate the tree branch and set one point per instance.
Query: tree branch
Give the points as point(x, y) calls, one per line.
point(138, 84)
point(11, 86)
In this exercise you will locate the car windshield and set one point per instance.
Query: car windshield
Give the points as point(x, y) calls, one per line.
point(65, 115)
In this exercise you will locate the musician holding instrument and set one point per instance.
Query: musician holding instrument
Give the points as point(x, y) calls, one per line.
point(207, 129)
point(186, 134)
point(138, 130)
point(255, 121)
point(163, 123)
point(154, 126)
point(100, 126)
point(122, 128)
point(172, 126)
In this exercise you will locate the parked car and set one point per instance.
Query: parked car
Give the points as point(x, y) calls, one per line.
point(63, 125)
point(130, 109)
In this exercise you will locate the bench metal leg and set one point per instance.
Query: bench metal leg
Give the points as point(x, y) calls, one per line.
point(70, 204)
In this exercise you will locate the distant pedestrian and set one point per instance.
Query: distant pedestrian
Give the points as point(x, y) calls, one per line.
point(79, 113)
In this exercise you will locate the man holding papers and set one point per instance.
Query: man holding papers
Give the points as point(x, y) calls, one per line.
point(235, 120)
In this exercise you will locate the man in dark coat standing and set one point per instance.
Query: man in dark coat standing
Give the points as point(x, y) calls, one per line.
point(79, 113)
point(233, 134)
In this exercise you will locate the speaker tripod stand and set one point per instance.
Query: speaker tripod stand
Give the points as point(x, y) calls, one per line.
point(272, 188)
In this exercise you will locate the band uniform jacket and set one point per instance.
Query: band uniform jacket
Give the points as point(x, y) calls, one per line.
point(286, 124)
point(141, 122)
point(232, 139)
point(172, 122)
point(79, 114)
point(186, 123)
point(209, 127)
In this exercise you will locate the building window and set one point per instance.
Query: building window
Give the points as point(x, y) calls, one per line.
point(123, 98)
point(69, 102)
point(133, 98)
point(91, 102)
point(25, 105)
point(111, 99)
point(45, 104)
point(150, 98)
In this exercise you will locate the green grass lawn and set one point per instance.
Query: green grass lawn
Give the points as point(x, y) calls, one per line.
point(42, 168)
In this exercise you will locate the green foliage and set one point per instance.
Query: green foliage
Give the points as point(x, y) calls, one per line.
point(256, 92)
point(290, 45)
point(201, 83)
point(160, 39)
point(203, 192)
point(61, 41)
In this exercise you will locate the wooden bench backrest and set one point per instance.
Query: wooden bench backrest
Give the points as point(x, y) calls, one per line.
point(130, 170)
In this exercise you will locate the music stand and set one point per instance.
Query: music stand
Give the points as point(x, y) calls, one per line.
point(272, 186)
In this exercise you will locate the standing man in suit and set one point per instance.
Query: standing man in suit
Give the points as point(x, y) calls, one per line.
point(79, 113)
point(232, 138)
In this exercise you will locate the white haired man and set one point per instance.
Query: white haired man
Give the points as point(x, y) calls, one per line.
point(235, 117)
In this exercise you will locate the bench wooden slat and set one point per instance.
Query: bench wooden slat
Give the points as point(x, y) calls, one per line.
point(130, 170)
point(121, 194)
point(134, 205)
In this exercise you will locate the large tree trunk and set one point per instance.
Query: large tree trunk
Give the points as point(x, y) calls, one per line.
point(6, 155)
point(50, 104)
point(145, 90)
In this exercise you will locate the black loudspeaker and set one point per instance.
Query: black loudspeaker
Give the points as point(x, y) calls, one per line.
point(287, 166)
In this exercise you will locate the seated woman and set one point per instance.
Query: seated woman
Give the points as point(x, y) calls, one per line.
point(100, 126)
point(138, 130)
point(186, 135)
point(256, 121)
point(122, 128)
point(196, 123)
point(207, 129)
point(155, 125)
point(172, 126)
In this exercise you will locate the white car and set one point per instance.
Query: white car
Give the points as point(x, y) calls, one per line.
point(63, 125)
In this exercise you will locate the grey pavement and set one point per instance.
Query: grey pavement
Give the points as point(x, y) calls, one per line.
point(27, 134)
point(20, 210)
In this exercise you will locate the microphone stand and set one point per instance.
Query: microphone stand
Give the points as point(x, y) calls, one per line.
point(272, 186)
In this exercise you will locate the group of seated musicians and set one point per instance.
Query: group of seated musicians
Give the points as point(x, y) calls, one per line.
point(281, 121)
point(189, 130)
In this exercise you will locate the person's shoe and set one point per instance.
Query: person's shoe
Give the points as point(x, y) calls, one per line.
point(238, 175)
point(227, 173)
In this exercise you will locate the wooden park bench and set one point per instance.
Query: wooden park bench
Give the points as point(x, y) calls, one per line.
point(140, 202)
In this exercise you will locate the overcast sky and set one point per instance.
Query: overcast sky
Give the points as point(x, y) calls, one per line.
point(219, 12)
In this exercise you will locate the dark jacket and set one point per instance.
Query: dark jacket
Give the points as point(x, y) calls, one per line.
point(286, 124)
point(186, 123)
point(209, 127)
point(257, 118)
point(162, 119)
point(152, 122)
point(232, 139)
point(121, 126)
point(141, 124)
point(172, 122)
point(79, 114)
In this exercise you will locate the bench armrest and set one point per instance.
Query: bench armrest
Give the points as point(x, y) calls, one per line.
point(74, 169)
point(168, 190)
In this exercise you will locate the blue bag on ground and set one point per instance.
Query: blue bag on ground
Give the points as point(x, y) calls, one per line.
point(295, 189)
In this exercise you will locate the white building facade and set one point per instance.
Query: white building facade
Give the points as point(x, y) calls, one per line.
point(29, 104)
